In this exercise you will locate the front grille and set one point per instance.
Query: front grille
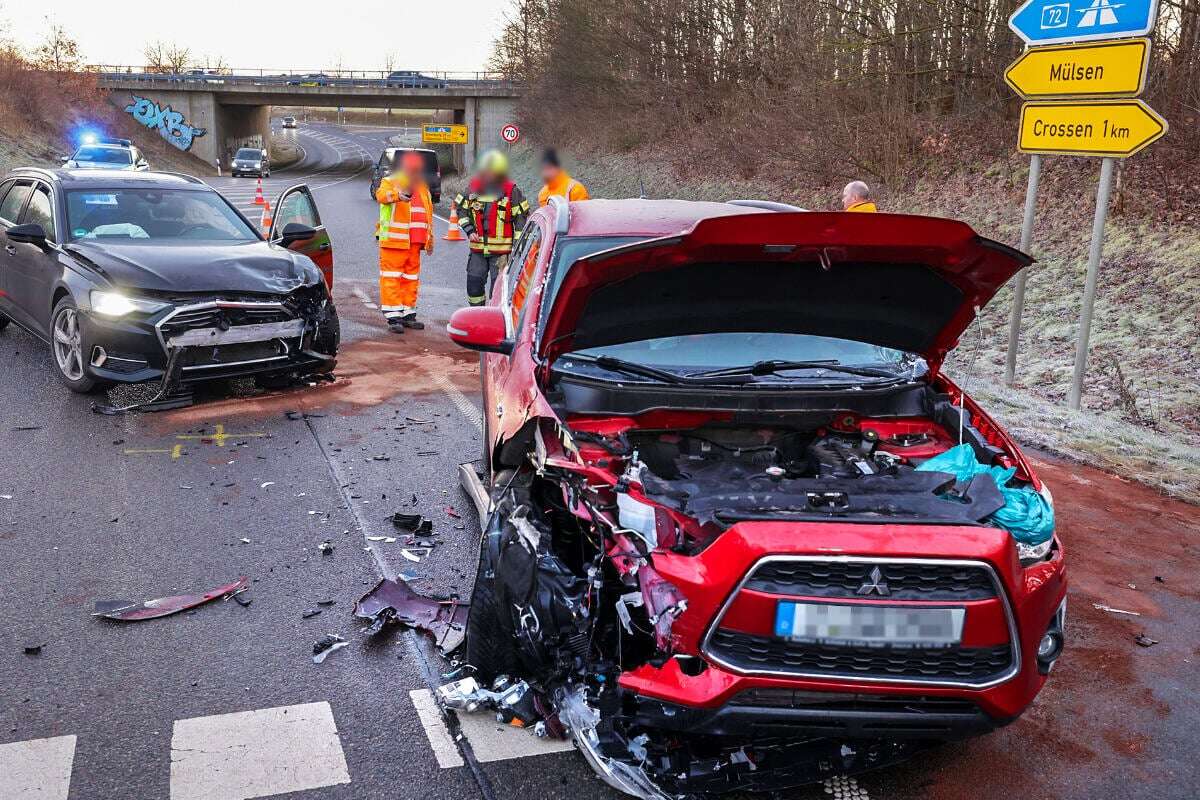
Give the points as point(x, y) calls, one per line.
point(852, 702)
point(904, 581)
point(761, 653)
point(221, 318)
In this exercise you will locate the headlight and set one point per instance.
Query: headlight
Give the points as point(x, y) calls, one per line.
point(258, 165)
point(115, 304)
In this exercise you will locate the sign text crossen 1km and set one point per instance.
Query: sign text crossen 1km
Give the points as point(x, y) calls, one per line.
point(1109, 128)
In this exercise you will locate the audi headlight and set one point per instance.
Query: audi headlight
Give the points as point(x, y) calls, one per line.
point(115, 304)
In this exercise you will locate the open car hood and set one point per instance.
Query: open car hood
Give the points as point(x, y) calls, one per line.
point(906, 282)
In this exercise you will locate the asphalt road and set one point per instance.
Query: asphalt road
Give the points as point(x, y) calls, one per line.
point(225, 702)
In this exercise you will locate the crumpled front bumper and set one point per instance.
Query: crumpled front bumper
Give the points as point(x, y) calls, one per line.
point(722, 698)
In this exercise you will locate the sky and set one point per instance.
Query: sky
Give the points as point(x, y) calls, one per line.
point(282, 36)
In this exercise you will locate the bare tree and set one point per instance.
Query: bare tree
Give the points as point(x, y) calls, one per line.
point(166, 57)
point(58, 52)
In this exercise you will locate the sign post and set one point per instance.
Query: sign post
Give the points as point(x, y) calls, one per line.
point(1014, 322)
point(1089, 286)
point(1101, 60)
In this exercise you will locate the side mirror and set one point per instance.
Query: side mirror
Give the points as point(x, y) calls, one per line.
point(29, 233)
point(480, 328)
point(295, 232)
point(64, 159)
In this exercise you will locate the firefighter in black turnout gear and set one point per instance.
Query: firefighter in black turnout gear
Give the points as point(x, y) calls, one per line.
point(491, 214)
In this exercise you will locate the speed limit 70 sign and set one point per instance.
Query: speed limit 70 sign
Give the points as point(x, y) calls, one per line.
point(510, 133)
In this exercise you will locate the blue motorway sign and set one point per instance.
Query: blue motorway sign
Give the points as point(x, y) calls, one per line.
point(1051, 21)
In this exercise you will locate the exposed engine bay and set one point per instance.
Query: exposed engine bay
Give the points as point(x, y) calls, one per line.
point(568, 600)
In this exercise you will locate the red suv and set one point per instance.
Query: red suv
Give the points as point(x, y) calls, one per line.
point(744, 533)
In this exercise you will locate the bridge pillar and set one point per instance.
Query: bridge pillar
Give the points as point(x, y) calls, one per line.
point(484, 117)
point(189, 120)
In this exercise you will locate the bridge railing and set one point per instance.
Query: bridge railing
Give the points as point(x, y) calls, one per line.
point(393, 79)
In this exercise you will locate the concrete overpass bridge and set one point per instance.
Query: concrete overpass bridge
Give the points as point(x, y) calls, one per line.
point(208, 112)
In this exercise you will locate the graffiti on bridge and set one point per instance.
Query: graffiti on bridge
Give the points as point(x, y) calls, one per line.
point(168, 122)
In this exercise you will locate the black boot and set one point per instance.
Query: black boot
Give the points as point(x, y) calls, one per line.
point(410, 321)
point(395, 324)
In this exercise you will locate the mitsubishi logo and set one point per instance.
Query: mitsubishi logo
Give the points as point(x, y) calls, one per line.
point(875, 583)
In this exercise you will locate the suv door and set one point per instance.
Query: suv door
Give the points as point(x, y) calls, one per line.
point(296, 204)
point(510, 293)
point(13, 197)
point(36, 270)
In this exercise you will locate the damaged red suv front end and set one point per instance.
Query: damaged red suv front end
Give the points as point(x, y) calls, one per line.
point(725, 549)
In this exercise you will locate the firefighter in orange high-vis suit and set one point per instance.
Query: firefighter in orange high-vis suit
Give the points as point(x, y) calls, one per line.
point(405, 219)
point(491, 214)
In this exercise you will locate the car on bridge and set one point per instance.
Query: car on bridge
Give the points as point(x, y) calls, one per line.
point(433, 169)
point(408, 79)
point(742, 531)
point(250, 161)
point(107, 153)
point(311, 79)
point(153, 276)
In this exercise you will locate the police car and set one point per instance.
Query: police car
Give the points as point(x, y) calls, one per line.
point(106, 153)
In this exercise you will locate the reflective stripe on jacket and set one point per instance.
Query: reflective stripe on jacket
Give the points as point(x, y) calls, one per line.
point(393, 229)
point(495, 214)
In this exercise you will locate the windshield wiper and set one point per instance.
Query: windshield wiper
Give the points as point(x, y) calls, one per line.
point(614, 364)
point(774, 366)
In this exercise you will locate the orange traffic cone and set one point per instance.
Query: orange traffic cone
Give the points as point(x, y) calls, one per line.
point(258, 197)
point(454, 233)
point(265, 222)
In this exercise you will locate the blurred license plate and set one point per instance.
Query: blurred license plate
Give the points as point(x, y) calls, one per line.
point(826, 623)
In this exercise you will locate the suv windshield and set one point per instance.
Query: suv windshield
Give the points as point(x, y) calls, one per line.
point(765, 356)
point(104, 155)
point(248, 154)
point(154, 214)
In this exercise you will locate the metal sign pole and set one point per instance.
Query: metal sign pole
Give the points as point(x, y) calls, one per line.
point(1089, 289)
point(1014, 322)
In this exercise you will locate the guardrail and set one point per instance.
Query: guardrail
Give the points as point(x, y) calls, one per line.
point(393, 79)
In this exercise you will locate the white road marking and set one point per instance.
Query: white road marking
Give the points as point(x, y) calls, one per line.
point(490, 740)
point(459, 399)
point(444, 749)
point(256, 753)
point(37, 769)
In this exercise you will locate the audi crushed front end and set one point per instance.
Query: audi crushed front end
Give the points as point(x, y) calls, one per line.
point(745, 537)
point(211, 335)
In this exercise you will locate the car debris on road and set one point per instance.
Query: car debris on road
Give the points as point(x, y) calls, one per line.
point(135, 611)
point(394, 601)
point(327, 645)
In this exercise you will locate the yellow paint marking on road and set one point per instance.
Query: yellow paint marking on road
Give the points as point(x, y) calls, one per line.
point(175, 452)
point(219, 436)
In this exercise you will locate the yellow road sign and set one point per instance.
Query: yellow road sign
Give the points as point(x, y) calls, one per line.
point(1116, 128)
point(443, 134)
point(1096, 69)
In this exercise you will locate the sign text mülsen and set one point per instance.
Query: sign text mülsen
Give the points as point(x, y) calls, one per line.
point(1098, 69)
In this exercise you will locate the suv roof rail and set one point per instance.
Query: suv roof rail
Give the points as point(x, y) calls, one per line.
point(562, 213)
point(769, 205)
